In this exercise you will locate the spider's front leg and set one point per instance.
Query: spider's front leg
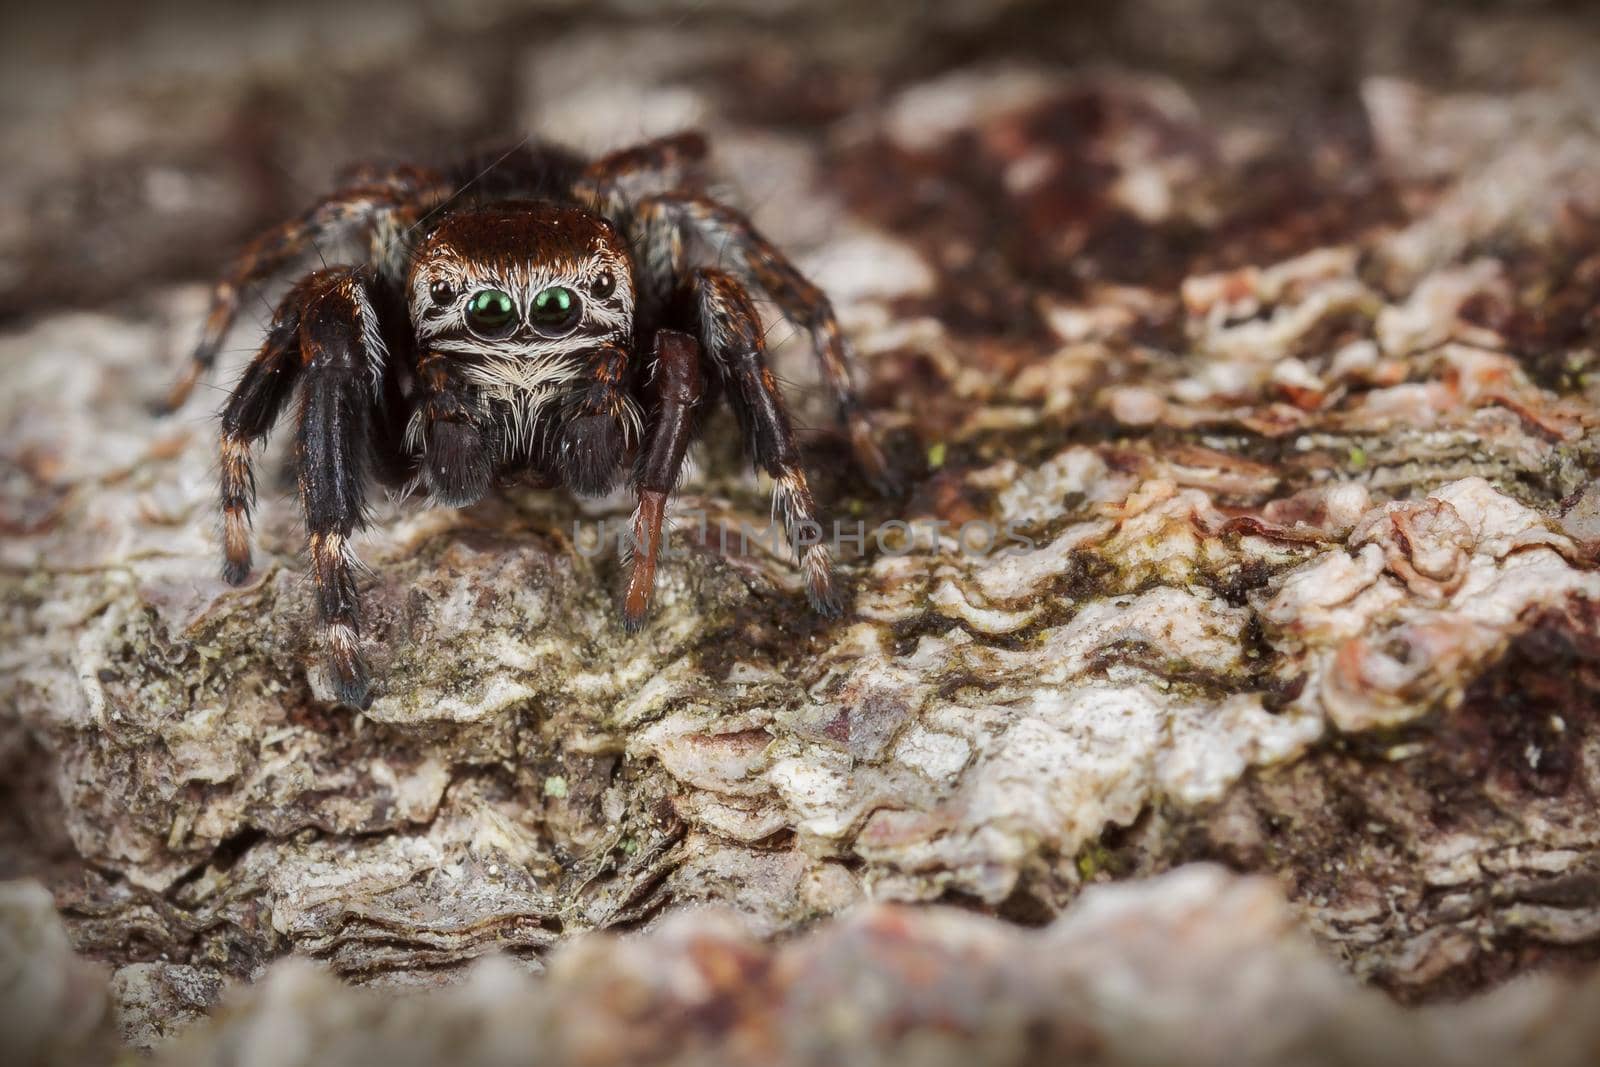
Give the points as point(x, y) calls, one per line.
point(731, 331)
point(670, 162)
point(739, 245)
point(343, 360)
point(405, 192)
point(252, 409)
point(678, 387)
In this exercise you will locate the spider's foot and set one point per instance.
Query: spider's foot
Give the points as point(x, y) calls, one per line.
point(354, 691)
point(636, 603)
point(236, 571)
point(870, 458)
point(821, 589)
point(646, 542)
point(235, 543)
point(352, 682)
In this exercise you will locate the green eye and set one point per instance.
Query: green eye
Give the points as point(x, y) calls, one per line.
point(491, 309)
point(555, 306)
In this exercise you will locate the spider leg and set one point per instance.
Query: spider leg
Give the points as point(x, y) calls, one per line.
point(740, 246)
point(730, 330)
point(342, 355)
point(679, 388)
point(251, 411)
point(670, 160)
point(356, 205)
point(673, 151)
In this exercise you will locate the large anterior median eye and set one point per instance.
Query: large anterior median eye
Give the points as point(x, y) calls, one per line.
point(491, 311)
point(555, 308)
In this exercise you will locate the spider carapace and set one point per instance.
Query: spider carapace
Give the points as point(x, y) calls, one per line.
point(528, 316)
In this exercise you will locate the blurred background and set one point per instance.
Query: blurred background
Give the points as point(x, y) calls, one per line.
point(144, 142)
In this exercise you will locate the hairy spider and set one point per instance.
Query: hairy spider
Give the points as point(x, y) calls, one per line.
point(541, 318)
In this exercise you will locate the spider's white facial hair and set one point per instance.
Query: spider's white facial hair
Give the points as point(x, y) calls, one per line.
point(522, 382)
point(524, 389)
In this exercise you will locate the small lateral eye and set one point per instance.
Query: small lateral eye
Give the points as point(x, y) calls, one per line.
point(603, 284)
point(441, 291)
point(490, 310)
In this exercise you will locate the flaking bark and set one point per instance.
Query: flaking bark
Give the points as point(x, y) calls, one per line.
point(1292, 400)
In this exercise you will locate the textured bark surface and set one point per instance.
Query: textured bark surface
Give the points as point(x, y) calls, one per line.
point(1271, 329)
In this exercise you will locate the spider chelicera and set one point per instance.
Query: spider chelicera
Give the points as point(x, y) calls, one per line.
point(544, 319)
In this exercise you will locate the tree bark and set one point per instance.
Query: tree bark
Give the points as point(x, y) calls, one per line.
point(1246, 394)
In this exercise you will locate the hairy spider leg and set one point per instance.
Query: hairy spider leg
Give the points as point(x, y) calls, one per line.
point(364, 205)
point(661, 155)
point(731, 333)
point(671, 162)
point(344, 358)
point(740, 246)
point(659, 256)
point(252, 409)
point(679, 387)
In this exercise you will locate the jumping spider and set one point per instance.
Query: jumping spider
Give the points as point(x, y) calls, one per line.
point(543, 319)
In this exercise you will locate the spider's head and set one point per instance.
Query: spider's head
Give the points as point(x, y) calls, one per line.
point(521, 298)
point(527, 280)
